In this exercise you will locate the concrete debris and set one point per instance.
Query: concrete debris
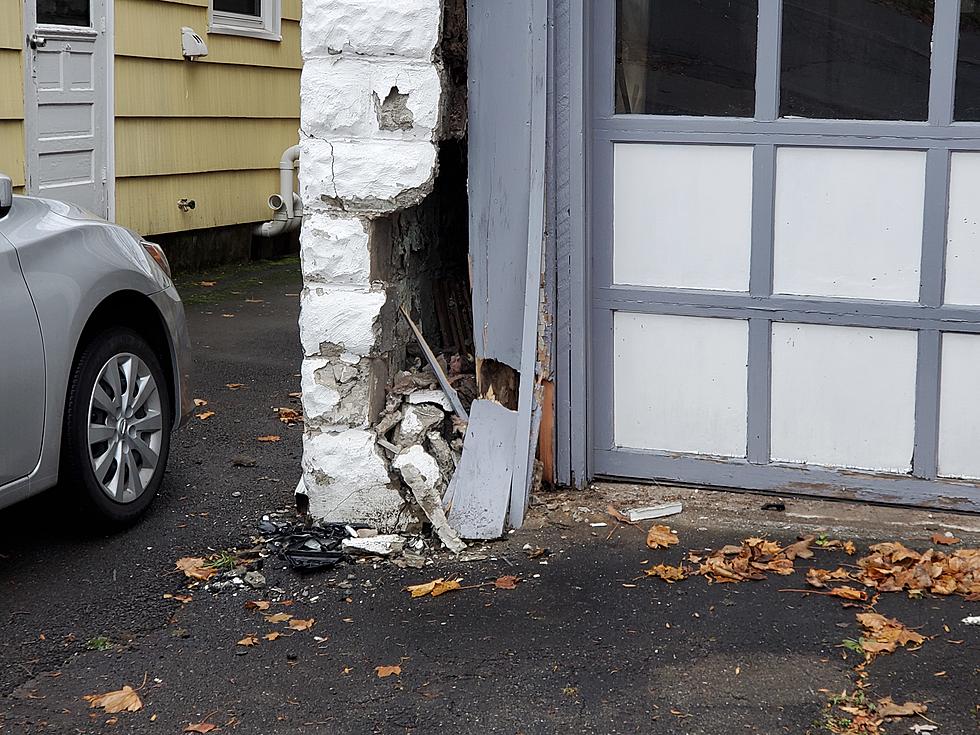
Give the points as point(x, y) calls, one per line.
point(255, 580)
point(422, 474)
point(383, 545)
point(653, 511)
point(410, 560)
point(972, 620)
point(416, 421)
point(430, 396)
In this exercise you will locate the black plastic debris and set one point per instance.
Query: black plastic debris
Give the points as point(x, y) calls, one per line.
point(306, 547)
point(778, 506)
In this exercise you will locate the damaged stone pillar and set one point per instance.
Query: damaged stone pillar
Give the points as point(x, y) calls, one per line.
point(371, 108)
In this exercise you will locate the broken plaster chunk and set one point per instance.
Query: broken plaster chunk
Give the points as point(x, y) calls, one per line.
point(421, 473)
point(417, 420)
point(344, 317)
point(437, 397)
point(380, 545)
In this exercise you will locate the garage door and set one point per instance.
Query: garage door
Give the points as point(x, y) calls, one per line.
point(785, 245)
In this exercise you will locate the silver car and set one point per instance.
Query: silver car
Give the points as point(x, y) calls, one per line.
point(93, 354)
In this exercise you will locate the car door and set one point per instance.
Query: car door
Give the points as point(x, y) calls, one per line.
point(22, 399)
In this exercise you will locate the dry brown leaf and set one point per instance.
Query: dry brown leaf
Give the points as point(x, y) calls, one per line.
point(800, 549)
point(198, 402)
point(194, 568)
point(944, 540)
point(888, 708)
point(386, 671)
point(849, 593)
point(121, 700)
point(614, 512)
point(660, 537)
point(234, 386)
point(206, 415)
point(249, 640)
point(183, 599)
point(205, 284)
point(434, 588)
point(257, 604)
point(300, 624)
point(201, 727)
point(271, 438)
point(278, 617)
point(507, 582)
point(289, 416)
point(272, 636)
point(849, 548)
point(667, 573)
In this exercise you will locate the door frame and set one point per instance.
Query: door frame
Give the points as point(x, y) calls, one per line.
point(586, 300)
point(107, 28)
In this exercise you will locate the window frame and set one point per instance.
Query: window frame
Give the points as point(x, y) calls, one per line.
point(267, 27)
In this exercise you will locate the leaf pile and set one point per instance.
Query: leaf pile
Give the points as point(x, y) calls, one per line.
point(752, 560)
point(891, 567)
point(884, 635)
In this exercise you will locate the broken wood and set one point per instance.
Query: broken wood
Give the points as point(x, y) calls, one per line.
point(436, 368)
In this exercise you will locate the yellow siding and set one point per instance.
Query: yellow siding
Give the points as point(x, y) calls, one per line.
point(138, 34)
point(12, 96)
point(10, 24)
point(149, 204)
point(12, 150)
point(152, 146)
point(211, 130)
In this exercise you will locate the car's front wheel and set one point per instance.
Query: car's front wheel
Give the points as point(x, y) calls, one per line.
point(117, 426)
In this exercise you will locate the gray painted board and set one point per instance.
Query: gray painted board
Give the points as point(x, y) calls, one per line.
point(480, 488)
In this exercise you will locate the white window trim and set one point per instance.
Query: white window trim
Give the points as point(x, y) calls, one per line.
point(267, 27)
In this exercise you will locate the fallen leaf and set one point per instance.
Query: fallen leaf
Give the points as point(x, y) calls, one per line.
point(507, 582)
point(206, 415)
point(278, 617)
point(297, 394)
point(254, 301)
point(848, 593)
point(270, 438)
point(619, 515)
point(299, 624)
point(944, 540)
point(849, 548)
point(249, 640)
point(200, 402)
point(289, 416)
point(434, 588)
point(667, 573)
point(386, 671)
point(800, 549)
point(183, 599)
point(194, 568)
point(888, 708)
point(660, 537)
point(206, 284)
point(201, 727)
point(234, 386)
point(257, 604)
point(272, 636)
point(121, 700)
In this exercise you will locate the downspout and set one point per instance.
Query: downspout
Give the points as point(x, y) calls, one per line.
point(287, 205)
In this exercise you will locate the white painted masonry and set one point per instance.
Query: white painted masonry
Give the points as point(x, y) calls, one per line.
point(371, 109)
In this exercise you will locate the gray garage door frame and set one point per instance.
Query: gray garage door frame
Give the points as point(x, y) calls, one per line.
point(584, 53)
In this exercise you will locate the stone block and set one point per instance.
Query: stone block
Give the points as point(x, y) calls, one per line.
point(408, 28)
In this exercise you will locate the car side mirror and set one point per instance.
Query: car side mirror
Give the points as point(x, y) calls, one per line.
point(6, 195)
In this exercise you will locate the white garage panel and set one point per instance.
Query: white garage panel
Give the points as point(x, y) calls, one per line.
point(682, 215)
point(959, 407)
point(848, 222)
point(963, 230)
point(843, 396)
point(680, 383)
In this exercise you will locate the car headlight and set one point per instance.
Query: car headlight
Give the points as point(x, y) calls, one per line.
point(156, 252)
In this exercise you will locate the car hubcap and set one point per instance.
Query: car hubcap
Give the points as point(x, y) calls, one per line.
point(125, 427)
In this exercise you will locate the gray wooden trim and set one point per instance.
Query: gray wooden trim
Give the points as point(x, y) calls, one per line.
point(579, 429)
point(778, 478)
point(932, 270)
point(603, 379)
point(759, 391)
point(925, 453)
point(767, 60)
point(639, 127)
point(763, 205)
point(942, 76)
point(803, 309)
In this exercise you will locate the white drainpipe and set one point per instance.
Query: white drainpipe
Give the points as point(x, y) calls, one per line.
point(287, 205)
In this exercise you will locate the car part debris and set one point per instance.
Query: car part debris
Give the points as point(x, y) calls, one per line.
point(777, 506)
point(653, 511)
point(306, 547)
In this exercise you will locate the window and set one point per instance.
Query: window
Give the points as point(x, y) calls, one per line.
point(255, 18)
point(686, 57)
point(63, 12)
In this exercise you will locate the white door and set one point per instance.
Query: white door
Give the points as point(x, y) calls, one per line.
point(67, 102)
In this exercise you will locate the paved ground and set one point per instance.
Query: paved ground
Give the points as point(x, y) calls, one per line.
point(580, 646)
